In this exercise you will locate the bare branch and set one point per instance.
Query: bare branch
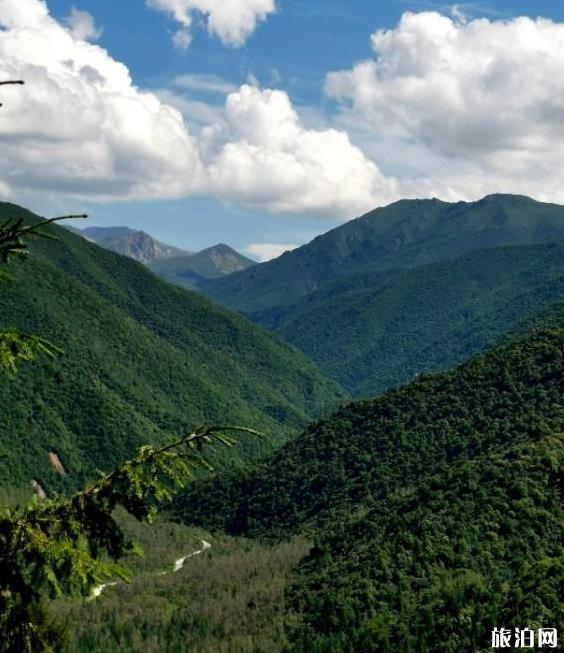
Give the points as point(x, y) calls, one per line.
point(20, 82)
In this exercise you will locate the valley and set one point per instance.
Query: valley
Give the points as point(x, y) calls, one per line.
point(379, 522)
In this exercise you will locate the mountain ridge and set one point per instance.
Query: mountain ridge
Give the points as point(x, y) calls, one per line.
point(194, 271)
point(404, 234)
point(386, 327)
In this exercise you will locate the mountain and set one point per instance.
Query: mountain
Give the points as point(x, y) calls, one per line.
point(405, 234)
point(370, 449)
point(438, 566)
point(373, 330)
point(134, 244)
point(187, 269)
point(192, 270)
point(142, 361)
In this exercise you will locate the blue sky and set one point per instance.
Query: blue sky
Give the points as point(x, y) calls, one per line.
point(418, 151)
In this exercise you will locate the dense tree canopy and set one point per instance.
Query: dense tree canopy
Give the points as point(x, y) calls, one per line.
point(371, 448)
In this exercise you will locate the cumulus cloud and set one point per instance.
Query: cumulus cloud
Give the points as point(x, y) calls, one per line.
point(266, 158)
point(481, 102)
point(81, 128)
point(79, 125)
point(232, 21)
point(267, 251)
point(83, 26)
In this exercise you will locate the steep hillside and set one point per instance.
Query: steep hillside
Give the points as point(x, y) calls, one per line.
point(374, 330)
point(405, 234)
point(372, 448)
point(142, 360)
point(438, 566)
point(193, 270)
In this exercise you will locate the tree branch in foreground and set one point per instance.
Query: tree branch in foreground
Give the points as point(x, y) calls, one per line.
point(68, 546)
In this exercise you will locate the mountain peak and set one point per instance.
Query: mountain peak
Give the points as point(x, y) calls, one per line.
point(194, 270)
point(135, 244)
point(404, 234)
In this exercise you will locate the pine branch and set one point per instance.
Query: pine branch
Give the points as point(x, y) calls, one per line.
point(14, 234)
point(61, 546)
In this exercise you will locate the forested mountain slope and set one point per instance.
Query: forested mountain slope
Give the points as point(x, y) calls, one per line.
point(434, 568)
point(142, 360)
point(374, 330)
point(405, 234)
point(371, 448)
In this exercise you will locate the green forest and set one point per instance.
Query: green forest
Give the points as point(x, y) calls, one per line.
point(371, 448)
point(417, 520)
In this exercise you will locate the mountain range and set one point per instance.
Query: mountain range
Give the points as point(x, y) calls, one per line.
point(181, 267)
point(417, 286)
point(194, 270)
point(406, 234)
point(371, 448)
point(417, 519)
point(432, 507)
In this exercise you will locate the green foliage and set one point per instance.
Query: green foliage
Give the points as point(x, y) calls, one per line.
point(142, 360)
point(385, 328)
point(14, 238)
point(372, 448)
point(435, 569)
point(404, 234)
point(16, 347)
point(15, 234)
point(57, 547)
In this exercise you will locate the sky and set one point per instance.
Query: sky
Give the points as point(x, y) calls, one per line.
point(263, 123)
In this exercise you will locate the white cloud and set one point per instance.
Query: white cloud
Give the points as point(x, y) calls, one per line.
point(80, 128)
point(480, 102)
point(267, 251)
point(79, 125)
point(268, 159)
point(446, 108)
point(83, 26)
point(232, 21)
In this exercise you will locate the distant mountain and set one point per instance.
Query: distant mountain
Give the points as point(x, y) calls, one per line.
point(405, 234)
point(187, 269)
point(192, 270)
point(373, 330)
point(142, 361)
point(137, 245)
